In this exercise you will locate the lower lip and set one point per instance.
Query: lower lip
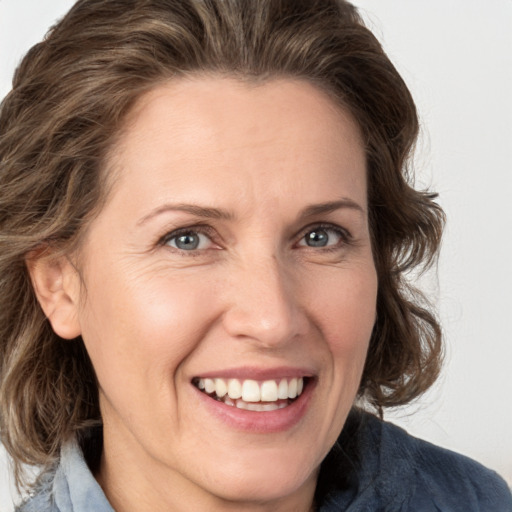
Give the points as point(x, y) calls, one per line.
point(264, 422)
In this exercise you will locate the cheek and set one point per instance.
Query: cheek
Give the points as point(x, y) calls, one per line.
point(346, 314)
point(139, 329)
point(346, 308)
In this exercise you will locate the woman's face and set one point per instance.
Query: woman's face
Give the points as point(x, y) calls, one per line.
point(233, 255)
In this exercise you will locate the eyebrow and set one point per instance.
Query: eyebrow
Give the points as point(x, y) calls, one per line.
point(206, 212)
point(199, 211)
point(323, 208)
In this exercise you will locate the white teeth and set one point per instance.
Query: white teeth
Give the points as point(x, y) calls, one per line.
point(234, 389)
point(258, 407)
point(282, 392)
point(228, 401)
point(209, 385)
point(292, 388)
point(262, 407)
point(240, 404)
point(300, 386)
point(269, 391)
point(251, 391)
point(221, 388)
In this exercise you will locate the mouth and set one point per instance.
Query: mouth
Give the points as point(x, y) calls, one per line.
point(253, 395)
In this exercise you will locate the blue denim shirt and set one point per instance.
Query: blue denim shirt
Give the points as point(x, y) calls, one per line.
point(70, 488)
point(394, 472)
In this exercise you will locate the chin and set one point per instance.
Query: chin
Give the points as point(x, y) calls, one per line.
point(262, 486)
point(262, 475)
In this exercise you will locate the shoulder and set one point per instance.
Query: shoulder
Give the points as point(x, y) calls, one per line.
point(436, 476)
point(69, 486)
point(40, 499)
point(38, 503)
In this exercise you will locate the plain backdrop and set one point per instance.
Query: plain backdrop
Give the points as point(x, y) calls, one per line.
point(456, 56)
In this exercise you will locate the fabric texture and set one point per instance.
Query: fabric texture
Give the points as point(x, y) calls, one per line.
point(393, 472)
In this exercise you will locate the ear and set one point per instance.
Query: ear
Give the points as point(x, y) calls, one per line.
point(57, 286)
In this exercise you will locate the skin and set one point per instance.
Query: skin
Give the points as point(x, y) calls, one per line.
point(253, 294)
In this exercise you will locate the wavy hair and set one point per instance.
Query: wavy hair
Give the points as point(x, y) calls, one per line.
point(70, 96)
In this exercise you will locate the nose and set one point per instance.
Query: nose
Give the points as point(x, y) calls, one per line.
point(264, 304)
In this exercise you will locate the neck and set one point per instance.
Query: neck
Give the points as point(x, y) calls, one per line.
point(132, 483)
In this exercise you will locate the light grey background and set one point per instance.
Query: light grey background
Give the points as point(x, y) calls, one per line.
point(456, 56)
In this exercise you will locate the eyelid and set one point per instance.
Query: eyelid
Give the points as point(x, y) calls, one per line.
point(211, 233)
point(345, 235)
point(202, 229)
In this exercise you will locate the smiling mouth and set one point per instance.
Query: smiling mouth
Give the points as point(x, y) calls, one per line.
point(252, 395)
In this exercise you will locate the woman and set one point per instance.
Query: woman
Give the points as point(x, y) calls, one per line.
point(206, 225)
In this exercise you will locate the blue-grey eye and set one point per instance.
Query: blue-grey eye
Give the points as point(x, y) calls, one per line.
point(321, 237)
point(189, 241)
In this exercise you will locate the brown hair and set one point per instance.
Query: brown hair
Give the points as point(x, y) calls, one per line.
point(69, 98)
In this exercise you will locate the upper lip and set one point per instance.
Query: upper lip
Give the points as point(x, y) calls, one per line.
point(258, 373)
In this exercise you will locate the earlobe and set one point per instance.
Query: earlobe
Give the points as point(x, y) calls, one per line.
point(56, 285)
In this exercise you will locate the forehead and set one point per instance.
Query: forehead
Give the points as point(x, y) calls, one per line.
point(235, 136)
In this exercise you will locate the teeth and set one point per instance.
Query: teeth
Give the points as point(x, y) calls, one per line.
point(292, 388)
point(269, 391)
point(251, 391)
point(228, 401)
point(234, 389)
point(221, 388)
point(300, 386)
point(282, 391)
point(240, 404)
point(260, 407)
point(209, 385)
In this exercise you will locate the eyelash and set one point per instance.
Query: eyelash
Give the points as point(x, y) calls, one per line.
point(194, 229)
point(345, 236)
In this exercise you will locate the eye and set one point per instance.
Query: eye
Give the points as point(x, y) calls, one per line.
point(187, 240)
point(323, 236)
